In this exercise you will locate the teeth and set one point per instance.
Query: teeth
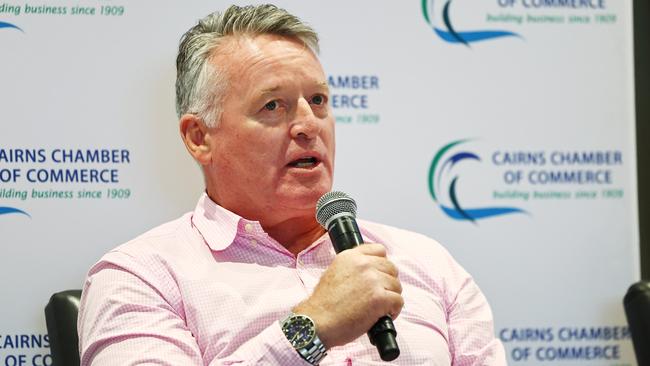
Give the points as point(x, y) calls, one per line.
point(304, 162)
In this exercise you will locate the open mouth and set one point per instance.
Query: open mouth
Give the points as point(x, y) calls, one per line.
point(306, 162)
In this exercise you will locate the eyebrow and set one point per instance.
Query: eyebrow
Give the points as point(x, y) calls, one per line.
point(270, 90)
point(320, 84)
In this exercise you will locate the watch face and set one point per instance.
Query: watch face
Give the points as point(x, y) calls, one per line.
point(300, 331)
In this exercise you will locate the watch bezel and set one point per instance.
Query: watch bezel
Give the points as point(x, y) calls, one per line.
point(297, 319)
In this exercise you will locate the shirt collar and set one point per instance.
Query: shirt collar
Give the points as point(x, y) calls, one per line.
point(218, 226)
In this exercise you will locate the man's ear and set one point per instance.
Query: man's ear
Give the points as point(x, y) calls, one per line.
point(194, 133)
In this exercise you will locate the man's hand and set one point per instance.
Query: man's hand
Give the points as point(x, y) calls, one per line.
point(358, 288)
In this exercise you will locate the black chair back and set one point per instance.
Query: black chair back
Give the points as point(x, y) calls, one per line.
point(637, 310)
point(61, 318)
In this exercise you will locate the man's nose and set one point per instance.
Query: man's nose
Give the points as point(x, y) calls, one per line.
point(305, 124)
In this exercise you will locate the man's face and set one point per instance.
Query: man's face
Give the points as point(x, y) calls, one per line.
point(273, 149)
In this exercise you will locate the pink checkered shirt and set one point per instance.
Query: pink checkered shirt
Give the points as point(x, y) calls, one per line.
point(211, 287)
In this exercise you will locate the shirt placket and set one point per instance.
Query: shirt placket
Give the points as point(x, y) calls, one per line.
point(308, 273)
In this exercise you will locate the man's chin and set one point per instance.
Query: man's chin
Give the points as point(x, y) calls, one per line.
point(305, 197)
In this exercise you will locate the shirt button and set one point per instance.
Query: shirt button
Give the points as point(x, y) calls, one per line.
point(253, 242)
point(248, 227)
point(300, 262)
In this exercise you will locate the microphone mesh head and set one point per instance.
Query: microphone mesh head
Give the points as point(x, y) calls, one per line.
point(334, 203)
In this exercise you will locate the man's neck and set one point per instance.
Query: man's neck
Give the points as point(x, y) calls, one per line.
point(295, 234)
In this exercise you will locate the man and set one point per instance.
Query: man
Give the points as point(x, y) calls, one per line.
point(250, 273)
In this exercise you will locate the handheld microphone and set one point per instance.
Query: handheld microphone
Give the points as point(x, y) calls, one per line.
point(336, 212)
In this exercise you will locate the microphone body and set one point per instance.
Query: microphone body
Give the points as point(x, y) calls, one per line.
point(345, 234)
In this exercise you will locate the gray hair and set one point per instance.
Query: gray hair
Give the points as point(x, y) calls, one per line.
point(200, 86)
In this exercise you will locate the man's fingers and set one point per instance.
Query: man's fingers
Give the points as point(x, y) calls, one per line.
point(397, 303)
point(390, 283)
point(376, 250)
point(385, 266)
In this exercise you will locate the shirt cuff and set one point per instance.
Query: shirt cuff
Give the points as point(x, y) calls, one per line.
point(271, 346)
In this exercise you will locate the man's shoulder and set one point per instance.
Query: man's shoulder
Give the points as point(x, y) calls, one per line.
point(402, 239)
point(161, 234)
point(413, 247)
point(152, 258)
point(160, 241)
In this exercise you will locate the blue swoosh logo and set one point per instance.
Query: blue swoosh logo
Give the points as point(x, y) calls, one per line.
point(473, 214)
point(457, 212)
point(12, 210)
point(465, 37)
point(9, 25)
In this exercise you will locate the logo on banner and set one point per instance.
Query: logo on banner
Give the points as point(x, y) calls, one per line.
point(6, 25)
point(499, 19)
point(61, 174)
point(449, 34)
point(12, 210)
point(505, 180)
point(446, 194)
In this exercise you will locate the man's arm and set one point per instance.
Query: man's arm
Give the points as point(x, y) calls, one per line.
point(471, 328)
point(128, 317)
point(123, 320)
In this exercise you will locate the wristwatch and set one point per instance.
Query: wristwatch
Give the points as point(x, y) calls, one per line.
point(300, 330)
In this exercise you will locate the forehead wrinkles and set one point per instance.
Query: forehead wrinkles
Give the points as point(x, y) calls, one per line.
point(246, 61)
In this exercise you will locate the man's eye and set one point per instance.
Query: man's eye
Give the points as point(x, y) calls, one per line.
point(271, 106)
point(318, 99)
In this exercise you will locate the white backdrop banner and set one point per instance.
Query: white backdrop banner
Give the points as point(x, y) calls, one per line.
point(502, 128)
